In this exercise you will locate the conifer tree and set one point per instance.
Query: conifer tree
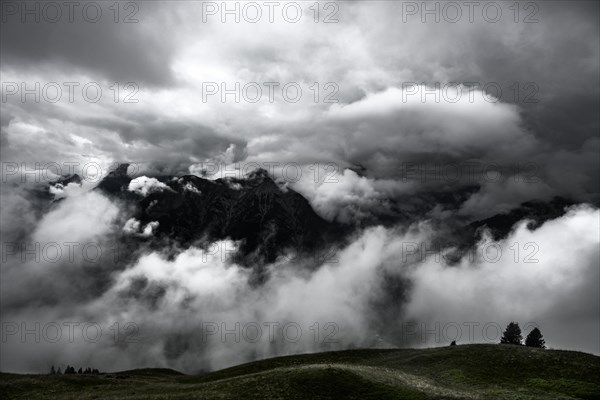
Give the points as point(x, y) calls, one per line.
point(535, 339)
point(512, 334)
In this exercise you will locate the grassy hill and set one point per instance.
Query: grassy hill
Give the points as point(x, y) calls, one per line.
point(459, 372)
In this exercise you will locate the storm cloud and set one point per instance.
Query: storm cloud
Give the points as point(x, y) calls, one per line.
point(401, 128)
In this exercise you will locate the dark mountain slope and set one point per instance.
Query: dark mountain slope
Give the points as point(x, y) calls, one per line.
point(537, 212)
point(266, 219)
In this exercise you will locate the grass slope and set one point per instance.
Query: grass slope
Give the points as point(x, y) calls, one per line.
point(460, 372)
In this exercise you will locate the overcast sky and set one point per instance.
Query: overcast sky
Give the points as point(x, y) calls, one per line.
point(546, 65)
point(382, 85)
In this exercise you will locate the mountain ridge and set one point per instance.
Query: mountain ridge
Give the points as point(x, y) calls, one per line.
point(264, 218)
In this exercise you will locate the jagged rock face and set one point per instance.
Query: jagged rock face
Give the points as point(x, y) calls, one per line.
point(67, 179)
point(255, 211)
point(536, 211)
point(500, 225)
point(268, 220)
point(115, 183)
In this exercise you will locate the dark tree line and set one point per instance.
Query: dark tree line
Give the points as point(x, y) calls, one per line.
point(71, 370)
point(512, 335)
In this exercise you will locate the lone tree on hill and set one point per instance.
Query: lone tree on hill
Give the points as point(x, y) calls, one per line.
point(535, 339)
point(512, 334)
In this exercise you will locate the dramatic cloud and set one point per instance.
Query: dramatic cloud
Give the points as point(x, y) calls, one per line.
point(86, 37)
point(199, 310)
point(405, 132)
point(144, 186)
point(77, 219)
point(528, 277)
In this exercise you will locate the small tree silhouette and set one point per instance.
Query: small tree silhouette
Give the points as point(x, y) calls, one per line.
point(80, 371)
point(453, 343)
point(535, 339)
point(512, 334)
point(52, 370)
point(58, 371)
